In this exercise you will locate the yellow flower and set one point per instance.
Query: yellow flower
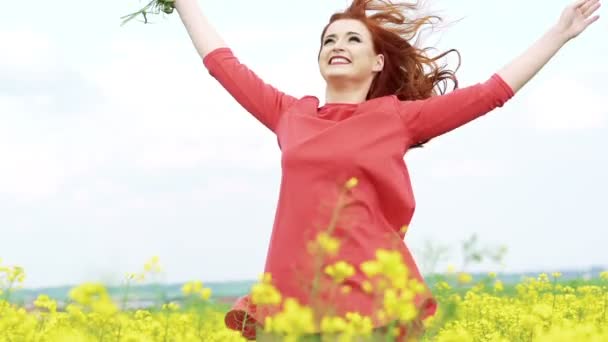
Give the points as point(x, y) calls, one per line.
point(400, 305)
point(358, 324)
point(264, 293)
point(543, 277)
point(556, 275)
point(43, 301)
point(192, 287)
point(443, 285)
point(370, 268)
point(464, 278)
point(172, 306)
point(195, 288)
point(153, 265)
point(15, 274)
point(293, 320)
point(265, 278)
point(95, 297)
point(205, 293)
point(328, 244)
point(351, 183)
point(389, 264)
point(604, 275)
point(498, 286)
point(367, 286)
point(345, 289)
point(139, 277)
point(492, 275)
point(381, 315)
point(332, 325)
point(340, 271)
point(75, 311)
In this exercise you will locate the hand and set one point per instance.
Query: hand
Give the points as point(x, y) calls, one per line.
point(577, 17)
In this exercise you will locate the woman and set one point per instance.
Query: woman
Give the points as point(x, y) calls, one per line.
point(381, 99)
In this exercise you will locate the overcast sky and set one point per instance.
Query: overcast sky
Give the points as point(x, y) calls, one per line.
point(117, 145)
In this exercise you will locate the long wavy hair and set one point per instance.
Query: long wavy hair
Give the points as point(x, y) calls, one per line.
point(408, 72)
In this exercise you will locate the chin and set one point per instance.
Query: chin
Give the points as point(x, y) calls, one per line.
point(337, 75)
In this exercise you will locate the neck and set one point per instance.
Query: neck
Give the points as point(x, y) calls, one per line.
point(346, 92)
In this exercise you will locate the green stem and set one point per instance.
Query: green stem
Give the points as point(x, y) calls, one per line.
point(389, 334)
point(198, 324)
point(605, 304)
point(119, 333)
point(333, 222)
point(244, 322)
point(126, 295)
point(553, 306)
point(135, 14)
point(166, 325)
point(8, 291)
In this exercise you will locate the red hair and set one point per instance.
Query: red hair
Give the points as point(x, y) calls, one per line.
point(408, 72)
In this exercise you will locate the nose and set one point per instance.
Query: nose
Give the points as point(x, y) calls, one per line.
point(338, 46)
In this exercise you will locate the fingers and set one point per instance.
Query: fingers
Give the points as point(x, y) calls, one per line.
point(578, 3)
point(590, 7)
point(591, 20)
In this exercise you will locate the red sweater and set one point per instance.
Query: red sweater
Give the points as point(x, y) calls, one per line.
point(321, 148)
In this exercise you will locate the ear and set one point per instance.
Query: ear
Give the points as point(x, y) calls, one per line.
point(379, 65)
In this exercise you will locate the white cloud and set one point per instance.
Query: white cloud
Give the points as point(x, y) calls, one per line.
point(565, 103)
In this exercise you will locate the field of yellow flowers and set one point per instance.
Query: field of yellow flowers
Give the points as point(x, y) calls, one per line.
point(542, 308)
point(537, 309)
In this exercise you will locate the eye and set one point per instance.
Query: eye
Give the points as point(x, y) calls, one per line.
point(357, 38)
point(327, 41)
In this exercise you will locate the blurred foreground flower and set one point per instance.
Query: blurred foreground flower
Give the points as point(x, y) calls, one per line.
point(95, 297)
point(264, 292)
point(294, 321)
point(153, 265)
point(195, 288)
point(153, 7)
point(340, 271)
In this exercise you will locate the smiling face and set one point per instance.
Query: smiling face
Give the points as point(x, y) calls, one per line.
point(347, 53)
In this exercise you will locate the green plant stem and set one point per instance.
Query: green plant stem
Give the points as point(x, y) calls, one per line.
point(331, 227)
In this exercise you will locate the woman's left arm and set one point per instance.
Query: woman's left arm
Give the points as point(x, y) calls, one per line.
point(432, 117)
point(574, 20)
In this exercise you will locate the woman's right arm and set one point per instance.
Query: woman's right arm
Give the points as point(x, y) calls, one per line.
point(262, 100)
point(203, 35)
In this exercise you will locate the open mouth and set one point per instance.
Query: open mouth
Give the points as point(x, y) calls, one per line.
point(339, 60)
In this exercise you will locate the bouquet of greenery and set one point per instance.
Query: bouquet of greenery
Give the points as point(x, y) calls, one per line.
point(154, 7)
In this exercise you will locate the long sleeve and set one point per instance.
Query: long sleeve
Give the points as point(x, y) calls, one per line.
point(263, 101)
point(430, 118)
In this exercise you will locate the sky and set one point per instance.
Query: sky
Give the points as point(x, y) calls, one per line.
point(117, 145)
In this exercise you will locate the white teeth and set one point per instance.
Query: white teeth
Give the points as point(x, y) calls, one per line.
point(338, 60)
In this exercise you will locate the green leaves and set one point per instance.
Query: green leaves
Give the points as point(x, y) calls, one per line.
point(153, 7)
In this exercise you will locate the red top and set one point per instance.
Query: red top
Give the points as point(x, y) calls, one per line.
point(321, 148)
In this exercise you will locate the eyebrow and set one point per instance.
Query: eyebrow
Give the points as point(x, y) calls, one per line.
point(333, 35)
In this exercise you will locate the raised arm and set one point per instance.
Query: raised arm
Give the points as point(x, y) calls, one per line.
point(204, 36)
point(575, 18)
point(427, 119)
point(262, 100)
